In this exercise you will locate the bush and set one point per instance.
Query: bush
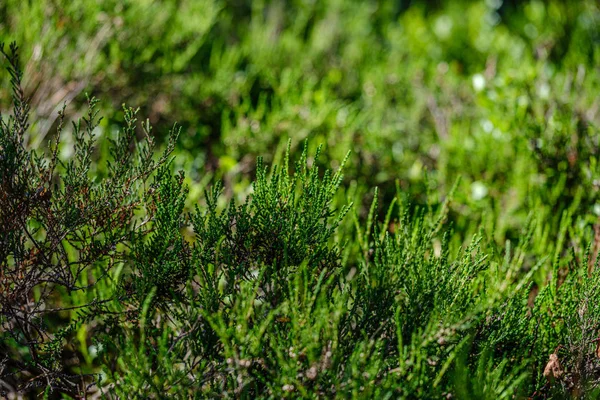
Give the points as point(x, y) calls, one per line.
point(395, 279)
point(63, 232)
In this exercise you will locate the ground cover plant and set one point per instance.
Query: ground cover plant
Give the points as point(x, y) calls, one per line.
point(333, 199)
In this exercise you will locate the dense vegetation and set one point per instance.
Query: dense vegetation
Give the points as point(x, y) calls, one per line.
point(359, 199)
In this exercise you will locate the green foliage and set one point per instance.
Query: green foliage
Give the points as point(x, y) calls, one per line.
point(287, 221)
point(62, 232)
point(456, 257)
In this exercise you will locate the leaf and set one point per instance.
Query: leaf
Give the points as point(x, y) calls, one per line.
point(597, 341)
point(553, 369)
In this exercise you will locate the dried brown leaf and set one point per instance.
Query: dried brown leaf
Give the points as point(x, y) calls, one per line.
point(553, 369)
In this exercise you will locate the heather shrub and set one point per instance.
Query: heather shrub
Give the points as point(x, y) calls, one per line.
point(63, 233)
point(360, 199)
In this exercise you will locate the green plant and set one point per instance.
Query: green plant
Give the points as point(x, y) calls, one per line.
point(62, 232)
point(391, 281)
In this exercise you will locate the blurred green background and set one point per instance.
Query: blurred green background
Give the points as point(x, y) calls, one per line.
point(503, 94)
